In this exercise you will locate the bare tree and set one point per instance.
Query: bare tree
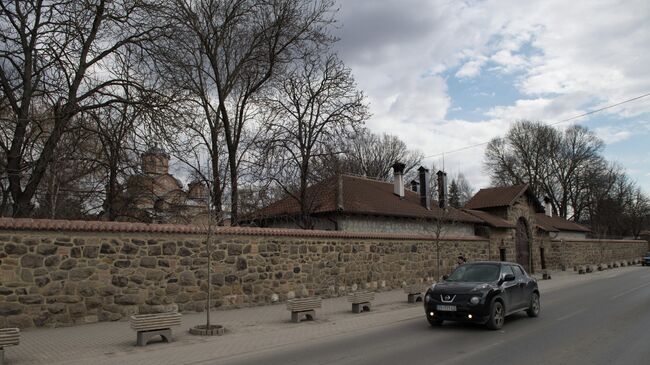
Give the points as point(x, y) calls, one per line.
point(224, 52)
point(444, 220)
point(372, 155)
point(553, 163)
point(637, 213)
point(316, 105)
point(465, 190)
point(573, 154)
point(56, 64)
point(568, 167)
point(522, 156)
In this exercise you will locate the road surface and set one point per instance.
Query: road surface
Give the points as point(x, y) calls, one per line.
point(604, 321)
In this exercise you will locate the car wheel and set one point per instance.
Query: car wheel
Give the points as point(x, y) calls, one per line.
point(534, 308)
point(497, 316)
point(435, 322)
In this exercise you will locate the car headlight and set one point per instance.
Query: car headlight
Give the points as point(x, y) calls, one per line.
point(427, 298)
point(475, 300)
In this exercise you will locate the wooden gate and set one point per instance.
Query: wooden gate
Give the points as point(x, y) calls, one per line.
point(522, 244)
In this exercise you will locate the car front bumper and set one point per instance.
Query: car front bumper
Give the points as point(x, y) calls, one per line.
point(463, 313)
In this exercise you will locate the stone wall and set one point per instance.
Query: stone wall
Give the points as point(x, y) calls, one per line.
point(587, 252)
point(57, 273)
point(69, 273)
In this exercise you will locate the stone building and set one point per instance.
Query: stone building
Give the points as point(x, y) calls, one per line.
point(359, 204)
point(518, 227)
point(156, 196)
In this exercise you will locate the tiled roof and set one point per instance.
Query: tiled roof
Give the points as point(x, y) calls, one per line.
point(24, 224)
point(554, 224)
point(490, 219)
point(358, 195)
point(501, 197)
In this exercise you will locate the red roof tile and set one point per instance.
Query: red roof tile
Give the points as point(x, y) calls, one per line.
point(501, 197)
point(358, 195)
point(554, 224)
point(23, 224)
point(490, 219)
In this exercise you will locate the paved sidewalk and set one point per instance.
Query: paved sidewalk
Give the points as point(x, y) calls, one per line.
point(248, 330)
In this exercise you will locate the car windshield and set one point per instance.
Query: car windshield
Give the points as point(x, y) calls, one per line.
point(475, 273)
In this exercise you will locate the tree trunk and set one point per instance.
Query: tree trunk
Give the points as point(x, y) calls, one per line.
point(217, 193)
point(304, 203)
point(234, 190)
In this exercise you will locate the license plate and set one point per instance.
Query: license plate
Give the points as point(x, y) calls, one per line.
point(446, 308)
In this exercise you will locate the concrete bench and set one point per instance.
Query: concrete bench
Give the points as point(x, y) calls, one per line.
point(8, 337)
point(582, 269)
point(602, 267)
point(157, 324)
point(546, 275)
point(414, 293)
point(361, 301)
point(303, 308)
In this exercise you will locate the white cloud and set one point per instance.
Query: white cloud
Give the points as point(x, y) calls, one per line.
point(471, 68)
point(622, 132)
point(612, 135)
point(564, 58)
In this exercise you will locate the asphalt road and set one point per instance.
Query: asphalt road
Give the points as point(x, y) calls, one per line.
point(603, 321)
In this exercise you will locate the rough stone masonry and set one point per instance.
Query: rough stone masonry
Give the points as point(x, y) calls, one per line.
point(56, 273)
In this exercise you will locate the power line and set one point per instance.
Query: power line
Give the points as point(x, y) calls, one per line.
point(551, 124)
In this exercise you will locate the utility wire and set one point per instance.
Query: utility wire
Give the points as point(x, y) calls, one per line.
point(551, 124)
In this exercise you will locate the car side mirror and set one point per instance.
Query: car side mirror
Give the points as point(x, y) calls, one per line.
point(445, 277)
point(509, 277)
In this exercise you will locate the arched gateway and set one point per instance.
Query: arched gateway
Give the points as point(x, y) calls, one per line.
point(522, 243)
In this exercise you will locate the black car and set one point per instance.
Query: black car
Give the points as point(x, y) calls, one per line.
point(482, 292)
point(646, 259)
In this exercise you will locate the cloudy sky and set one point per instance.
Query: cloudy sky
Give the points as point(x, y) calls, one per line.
point(446, 74)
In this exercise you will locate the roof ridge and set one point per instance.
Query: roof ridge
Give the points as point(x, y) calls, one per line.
point(523, 189)
point(362, 177)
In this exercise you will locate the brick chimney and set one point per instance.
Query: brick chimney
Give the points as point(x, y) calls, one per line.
point(548, 206)
point(414, 185)
point(425, 198)
point(442, 189)
point(398, 179)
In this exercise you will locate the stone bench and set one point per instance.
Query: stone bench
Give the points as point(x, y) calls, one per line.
point(602, 267)
point(8, 337)
point(582, 269)
point(157, 324)
point(361, 301)
point(414, 293)
point(546, 275)
point(303, 308)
